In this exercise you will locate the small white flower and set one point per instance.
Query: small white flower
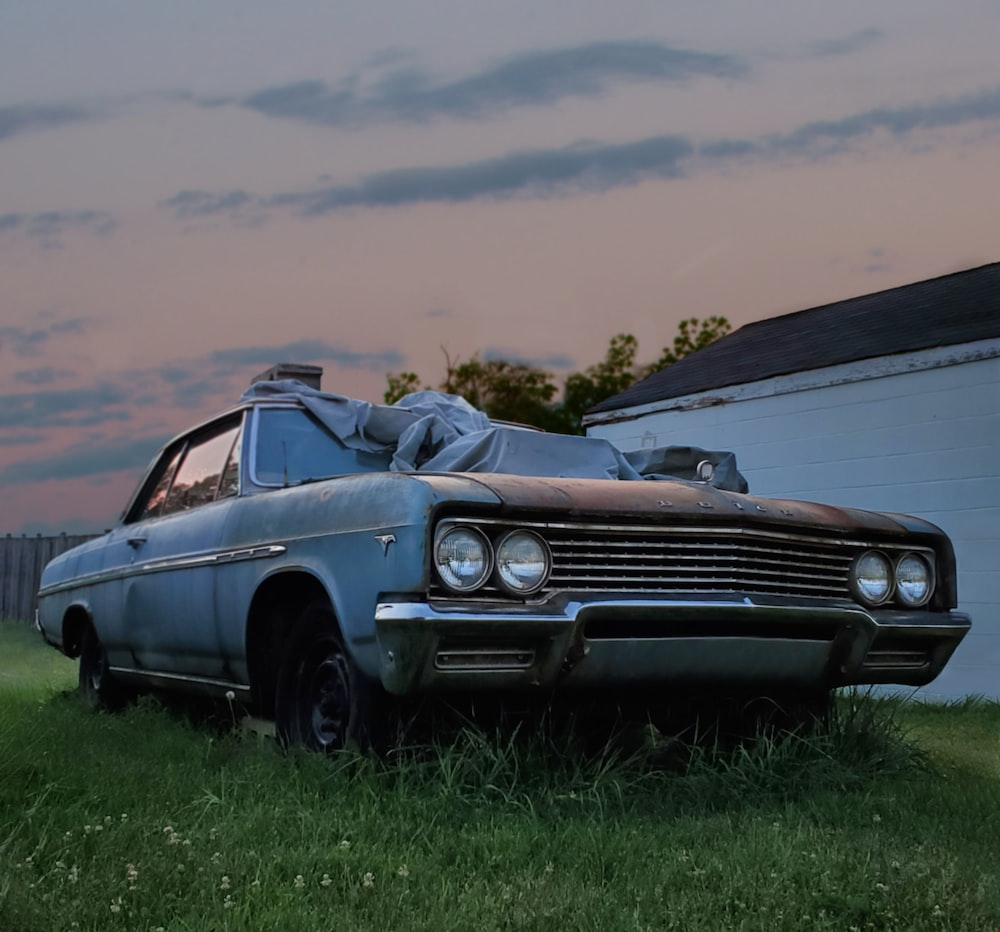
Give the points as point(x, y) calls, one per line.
point(300, 881)
point(403, 871)
point(326, 881)
point(369, 879)
point(345, 844)
point(224, 883)
point(228, 902)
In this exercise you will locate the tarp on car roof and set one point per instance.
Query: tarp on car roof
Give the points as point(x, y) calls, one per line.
point(434, 431)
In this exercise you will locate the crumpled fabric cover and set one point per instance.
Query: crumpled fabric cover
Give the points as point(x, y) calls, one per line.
point(434, 431)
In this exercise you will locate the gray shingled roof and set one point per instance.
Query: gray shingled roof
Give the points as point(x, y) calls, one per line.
point(957, 308)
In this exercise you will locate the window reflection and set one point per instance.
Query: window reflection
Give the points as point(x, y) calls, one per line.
point(230, 484)
point(200, 473)
point(159, 496)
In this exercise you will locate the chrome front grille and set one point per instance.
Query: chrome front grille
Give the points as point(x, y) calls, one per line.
point(646, 559)
point(704, 561)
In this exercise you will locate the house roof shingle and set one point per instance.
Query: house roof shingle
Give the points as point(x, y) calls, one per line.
point(958, 308)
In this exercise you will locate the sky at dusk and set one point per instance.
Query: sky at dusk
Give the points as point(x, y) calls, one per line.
point(192, 191)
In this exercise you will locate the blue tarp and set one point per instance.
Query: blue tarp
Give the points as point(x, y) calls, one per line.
point(437, 432)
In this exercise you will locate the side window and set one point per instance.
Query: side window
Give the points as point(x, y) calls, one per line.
point(159, 495)
point(200, 473)
point(230, 484)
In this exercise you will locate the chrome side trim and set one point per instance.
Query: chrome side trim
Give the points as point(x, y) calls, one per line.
point(266, 552)
point(242, 690)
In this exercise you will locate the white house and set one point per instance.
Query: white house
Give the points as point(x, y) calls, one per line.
point(889, 401)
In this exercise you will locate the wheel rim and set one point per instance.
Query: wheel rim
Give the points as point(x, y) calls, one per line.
point(325, 708)
point(96, 665)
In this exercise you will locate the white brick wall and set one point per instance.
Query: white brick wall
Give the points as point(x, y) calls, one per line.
point(925, 442)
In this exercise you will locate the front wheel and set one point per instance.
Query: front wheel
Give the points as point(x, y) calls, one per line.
point(323, 702)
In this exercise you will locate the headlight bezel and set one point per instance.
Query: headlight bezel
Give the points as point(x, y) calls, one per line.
point(546, 553)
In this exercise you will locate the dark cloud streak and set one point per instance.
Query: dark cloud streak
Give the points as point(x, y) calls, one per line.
point(539, 173)
point(409, 94)
point(43, 375)
point(859, 41)
point(103, 402)
point(18, 119)
point(48, 226)
point(28, 341)
point(83, 460)
point(192, 204)
point(544, 173)
point(898, 122)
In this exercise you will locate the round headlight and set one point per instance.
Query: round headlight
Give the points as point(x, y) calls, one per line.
point(523, 562)
point(913, 580)
point(463, 558)
point(871, 577)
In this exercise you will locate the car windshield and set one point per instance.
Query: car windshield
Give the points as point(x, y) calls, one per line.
point(291, 447)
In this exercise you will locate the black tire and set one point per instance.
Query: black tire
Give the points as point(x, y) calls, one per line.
point(323, 702)
point(98, 688)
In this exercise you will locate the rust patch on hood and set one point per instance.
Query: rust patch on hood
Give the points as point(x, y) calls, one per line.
point(656, 501)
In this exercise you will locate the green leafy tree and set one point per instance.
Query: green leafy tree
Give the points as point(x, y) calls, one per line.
point(399, 384)
point(505, 390)
point(515, 391)
point(608, 377)
point(692, 334)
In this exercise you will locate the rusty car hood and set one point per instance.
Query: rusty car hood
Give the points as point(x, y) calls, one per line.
point(654, 499)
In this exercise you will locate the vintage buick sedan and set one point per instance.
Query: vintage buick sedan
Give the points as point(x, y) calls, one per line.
point(317, 558)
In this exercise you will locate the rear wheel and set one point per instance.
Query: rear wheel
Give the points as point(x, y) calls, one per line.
point(323, 702)
point(98, 688)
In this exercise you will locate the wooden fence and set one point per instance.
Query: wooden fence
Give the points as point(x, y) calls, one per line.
point(22, 560)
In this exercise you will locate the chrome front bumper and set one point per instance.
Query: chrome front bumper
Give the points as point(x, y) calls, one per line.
point(734, 640)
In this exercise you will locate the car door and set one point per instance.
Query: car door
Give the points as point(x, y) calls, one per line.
point(173, 541)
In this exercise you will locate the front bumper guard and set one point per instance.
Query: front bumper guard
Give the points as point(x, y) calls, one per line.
point(736, 641)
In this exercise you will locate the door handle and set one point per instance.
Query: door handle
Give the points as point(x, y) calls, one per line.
point(136, 542)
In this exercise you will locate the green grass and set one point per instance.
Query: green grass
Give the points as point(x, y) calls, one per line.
point(144, 820)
